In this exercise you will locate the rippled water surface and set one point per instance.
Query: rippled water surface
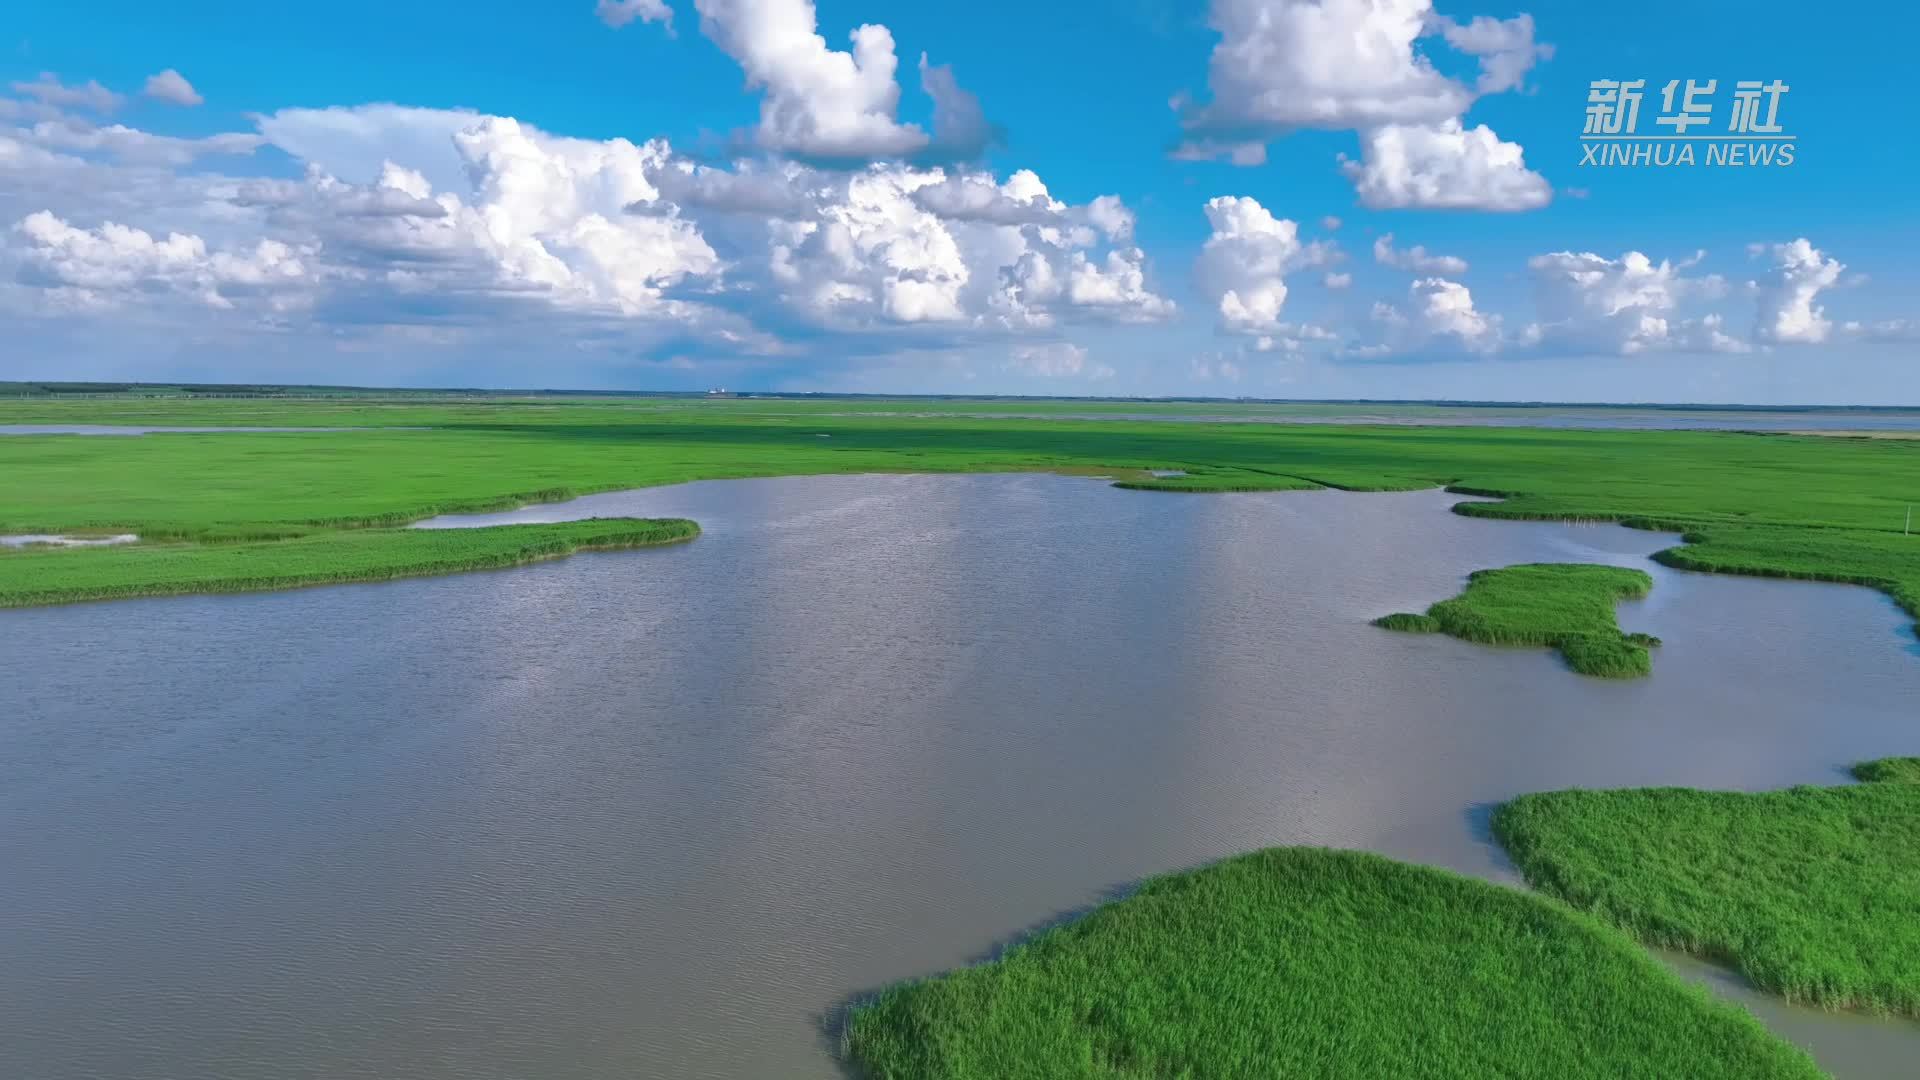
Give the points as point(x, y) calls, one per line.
point(658, 813)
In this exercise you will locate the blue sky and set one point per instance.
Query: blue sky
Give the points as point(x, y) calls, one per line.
point(1119, 198)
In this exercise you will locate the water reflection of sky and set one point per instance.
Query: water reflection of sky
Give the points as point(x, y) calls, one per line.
point(654, 812)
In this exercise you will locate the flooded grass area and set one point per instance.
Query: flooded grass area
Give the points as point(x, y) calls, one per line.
point(1813, 893)
point(667, 812)
point(1308, 962)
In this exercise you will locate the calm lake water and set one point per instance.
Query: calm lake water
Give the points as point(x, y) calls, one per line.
point(659, 813)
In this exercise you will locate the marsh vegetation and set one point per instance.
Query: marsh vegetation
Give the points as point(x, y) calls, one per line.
point(42, 575)
point(1813, 892)
point(1816, 508)
point(1565, 606)
point(1310, 962)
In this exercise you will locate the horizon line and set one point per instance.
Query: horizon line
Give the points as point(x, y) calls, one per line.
point(267, 389)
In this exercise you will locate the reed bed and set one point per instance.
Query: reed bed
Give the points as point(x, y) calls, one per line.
point(1893, 770)
point(1828, 509)
point(41, 576)
point(1217, 481)
point(1565, 606)
point(1887, 561)
point(1813, 892)
point(1315, 963)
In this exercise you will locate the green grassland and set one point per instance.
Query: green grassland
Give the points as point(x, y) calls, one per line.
point(1308, 962)
point(1791, 506)
point(1899, 770)
point(1813, 892)
point(1879, 560)
point(62, 575)
point(1566, 606)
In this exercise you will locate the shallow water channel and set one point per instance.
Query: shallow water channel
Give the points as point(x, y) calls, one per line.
point(53, 540)
point(658, 813)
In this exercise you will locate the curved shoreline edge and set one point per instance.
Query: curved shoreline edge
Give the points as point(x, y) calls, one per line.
point(1303, 961)
point(1564, 606)
point(1803, 508)
point(1735, 549)
point(326, 558)
point(1227, 953)
point(1809, 892)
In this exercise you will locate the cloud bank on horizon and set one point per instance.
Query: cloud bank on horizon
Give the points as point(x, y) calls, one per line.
point(839, 242)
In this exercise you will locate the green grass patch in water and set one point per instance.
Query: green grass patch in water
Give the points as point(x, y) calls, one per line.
point(1893, 770)
point(1304, 962)
point(1827, 509)
point(1216, 481)
point(1566, 606)
point(1813, 892)
point(57, 576)
point(1888, 561)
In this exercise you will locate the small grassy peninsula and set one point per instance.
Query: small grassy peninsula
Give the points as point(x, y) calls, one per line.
point(1887, 561)
point(1217, 480)
point(1898, 770)
point(55, 575)
point(1813, 892)
point(1566, 606)
point(1303, 962)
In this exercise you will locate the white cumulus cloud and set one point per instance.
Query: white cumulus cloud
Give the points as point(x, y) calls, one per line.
point(1788, 313)
point(49, 90)
point(618, 13)
point(1505, 47)
point(1284, 65)
point(1337, 64)
point(896, 243)
point(818, 101)
point(173, 88)
point(113, 263)
point(1439, 319)
point(1416, 258)
point(1245, 260)
point(1625, 305)
point(1444, 166)
point(136, 146)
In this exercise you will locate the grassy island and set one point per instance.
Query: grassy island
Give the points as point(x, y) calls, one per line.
point(1303, 962)
point(1813, 892)
point(1218, 480)
point(63, 575)
point(1566, 606)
